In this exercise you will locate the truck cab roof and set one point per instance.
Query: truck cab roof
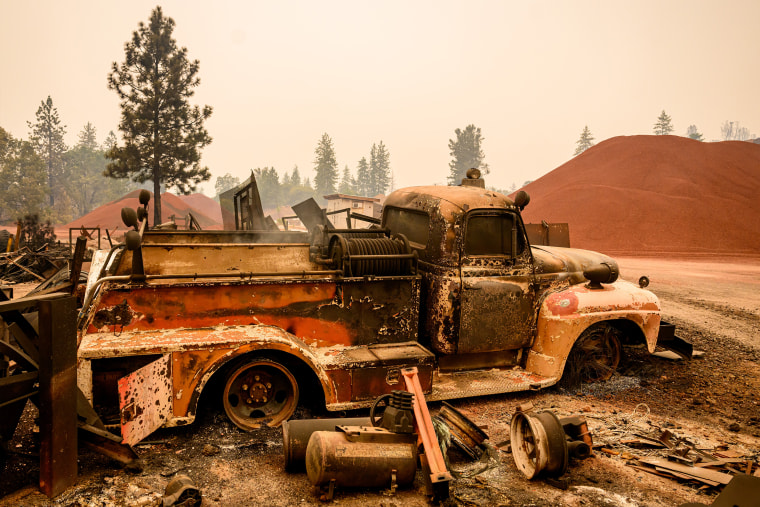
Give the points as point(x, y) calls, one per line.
point(432, 218)
point(447, 201)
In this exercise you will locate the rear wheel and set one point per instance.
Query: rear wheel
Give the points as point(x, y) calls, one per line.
point(259, 392)
point(595, 355)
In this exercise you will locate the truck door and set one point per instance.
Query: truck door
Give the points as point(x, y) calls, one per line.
point(497, 298)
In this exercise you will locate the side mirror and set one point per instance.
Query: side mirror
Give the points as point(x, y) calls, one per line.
point(522, 199)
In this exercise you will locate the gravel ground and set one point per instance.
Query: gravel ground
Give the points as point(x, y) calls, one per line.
point(711, 401)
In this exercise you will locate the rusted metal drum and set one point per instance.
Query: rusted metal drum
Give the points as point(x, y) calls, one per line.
point(296, 434)
point(359, 457)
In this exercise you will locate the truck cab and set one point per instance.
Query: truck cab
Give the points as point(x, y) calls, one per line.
point(492, 300)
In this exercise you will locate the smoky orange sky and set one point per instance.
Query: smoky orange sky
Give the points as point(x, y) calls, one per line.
point(278, 74)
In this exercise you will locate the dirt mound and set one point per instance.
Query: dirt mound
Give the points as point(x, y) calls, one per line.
point(652, 195)
point(108, 216)
point(204, 204)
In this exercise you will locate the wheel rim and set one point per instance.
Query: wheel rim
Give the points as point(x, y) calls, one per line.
point(260, 392)
point(597, 355)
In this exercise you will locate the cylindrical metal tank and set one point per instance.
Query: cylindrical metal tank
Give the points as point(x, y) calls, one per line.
point(360, 457)
point(296, 433)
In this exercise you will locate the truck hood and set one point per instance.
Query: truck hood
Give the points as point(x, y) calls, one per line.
point(567, 263)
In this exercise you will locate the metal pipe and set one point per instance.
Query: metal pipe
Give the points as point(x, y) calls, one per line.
point(296, 434)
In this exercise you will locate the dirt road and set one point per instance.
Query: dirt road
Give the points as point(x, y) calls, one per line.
point(712, 401)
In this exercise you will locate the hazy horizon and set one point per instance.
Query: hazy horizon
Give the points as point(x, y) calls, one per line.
point(278, 75)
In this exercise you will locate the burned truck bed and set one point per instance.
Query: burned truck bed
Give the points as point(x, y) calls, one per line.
point(209, 306)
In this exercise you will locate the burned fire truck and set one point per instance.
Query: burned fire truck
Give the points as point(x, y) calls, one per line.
point(263, 319)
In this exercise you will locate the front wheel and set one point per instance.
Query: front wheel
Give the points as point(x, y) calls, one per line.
point(595, 355)
point(259, 392)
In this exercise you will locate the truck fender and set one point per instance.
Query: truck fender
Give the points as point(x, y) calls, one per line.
point(192, 369)
point(566, 314)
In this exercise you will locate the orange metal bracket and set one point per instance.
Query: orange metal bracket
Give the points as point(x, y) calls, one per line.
point(439, 475)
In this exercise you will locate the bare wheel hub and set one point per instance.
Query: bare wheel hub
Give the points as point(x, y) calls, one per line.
point(260, 392)
point(256, 389)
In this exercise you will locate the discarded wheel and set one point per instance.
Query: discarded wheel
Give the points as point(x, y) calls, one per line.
point(260, 392)
point(538, 444)
point(464, 433)
point(596, 354)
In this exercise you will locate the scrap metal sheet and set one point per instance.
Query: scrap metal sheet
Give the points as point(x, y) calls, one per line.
point(145, 399)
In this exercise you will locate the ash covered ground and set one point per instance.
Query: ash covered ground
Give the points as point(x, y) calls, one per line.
point(711, 400)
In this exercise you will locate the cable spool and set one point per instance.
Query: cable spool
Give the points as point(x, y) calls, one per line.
point(388, 254)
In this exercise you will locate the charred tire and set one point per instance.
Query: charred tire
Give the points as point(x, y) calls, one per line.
point(595, 355)
point(260, 391)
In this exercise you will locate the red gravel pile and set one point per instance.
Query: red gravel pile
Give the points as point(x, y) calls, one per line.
point(108, 216)
point(205, 205)
point(655, 195)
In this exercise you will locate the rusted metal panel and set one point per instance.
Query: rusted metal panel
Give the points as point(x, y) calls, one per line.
point(340, 381)
point(321, 313)
point(226, 237)
point(362, 373)
point(145, 400)
point(188, 370)
point(369, 383)
point(564, 315)
point(232, 258)
point(441, 301)
point(497, 314)
point(58, 394)
point(199, 353)
point(249, 214)
point(565, 264)
point(556, 234)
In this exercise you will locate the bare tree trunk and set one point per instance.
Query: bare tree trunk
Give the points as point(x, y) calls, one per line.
point(156, 196)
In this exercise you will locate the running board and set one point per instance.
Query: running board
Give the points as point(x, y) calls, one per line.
point(465, 384)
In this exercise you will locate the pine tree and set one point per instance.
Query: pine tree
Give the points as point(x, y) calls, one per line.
point(379, 169)
point(466, 153)
point(110, 141)
point(346, 182)
point(693, 133)
point(295, 178)
point(163, 134)
point(585, 142)
point(270, 190)
point(47, 137)
point(663, 127)
point(362, 177)
point(85, 186)
point(22, 178)
point(226, 182)
point(325, 166)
